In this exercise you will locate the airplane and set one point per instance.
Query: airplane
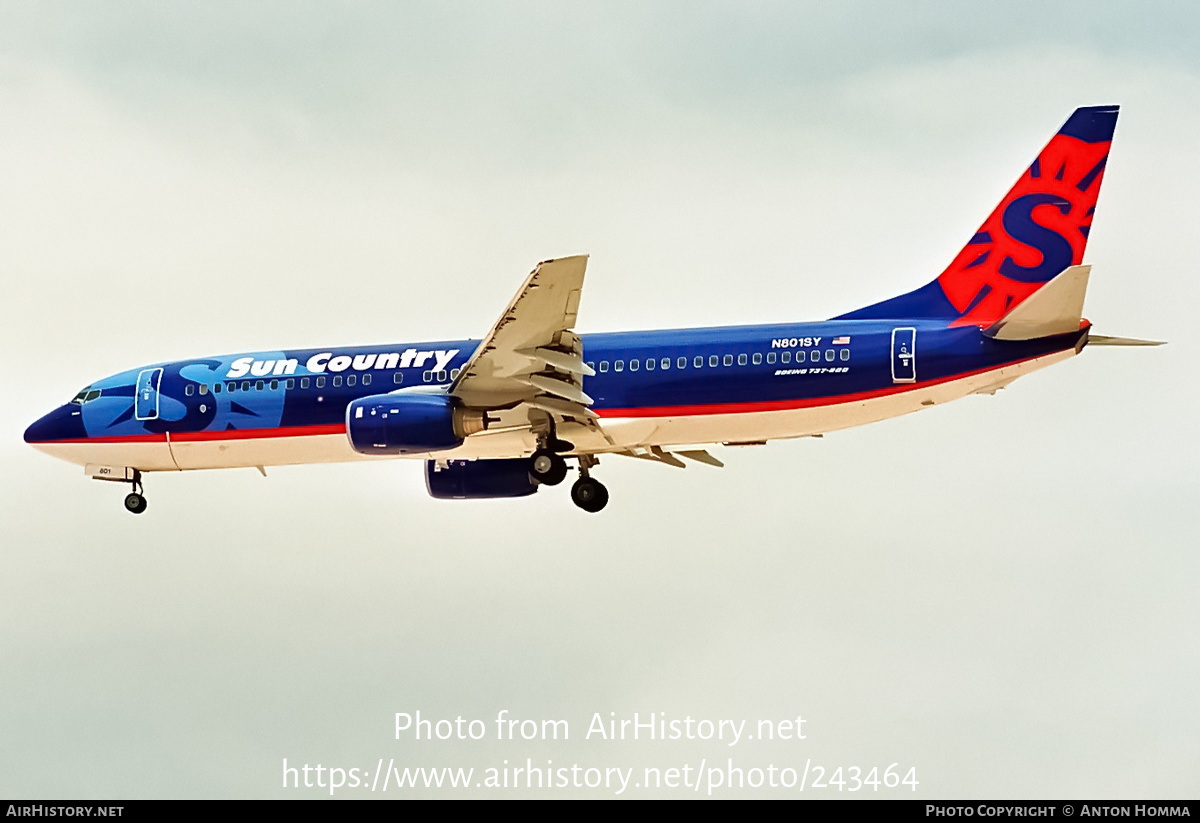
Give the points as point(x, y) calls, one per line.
point(501, 416)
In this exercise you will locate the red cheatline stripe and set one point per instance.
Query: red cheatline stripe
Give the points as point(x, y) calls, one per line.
point(228, 434)
point(129, 438)
point(250, 434)
point(799, 403)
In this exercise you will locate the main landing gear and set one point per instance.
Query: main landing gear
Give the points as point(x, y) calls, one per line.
point(135, 501)
point(549, 467)
point(588, 493)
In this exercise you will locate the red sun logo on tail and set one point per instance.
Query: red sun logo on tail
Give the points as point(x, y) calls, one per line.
point(1038, 230)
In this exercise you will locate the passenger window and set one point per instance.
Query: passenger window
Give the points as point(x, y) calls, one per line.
point(649, 364)
point(453, 374)
point(785, 357)
point(203, 389)
point(633, 365)
point(742, 360)
point(230, 387)
point(427, 376)
point(258, 385)
point(188, 390)
point(681, 363)
point(351, 379)
point(290, 384)
point(441, 377)
point(591, 365)
point(698, 362)
point(728, 360)
point(217, 388)
point(398, 378)
point(337, 380)
point(321, 382)
point(800, 356)
point(366, 379)
point(245, 385)
point(771, 357)
point(619, 365)
point(713, 360)
point(758, 358)
point(665, 363)
point(603, 366)
point(304, 382)
point(829, 355)
point(845, 354)
point(274, 385)
point(814, 356)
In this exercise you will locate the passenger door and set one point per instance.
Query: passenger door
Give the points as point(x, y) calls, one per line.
point(904, 355)
point(145, 401)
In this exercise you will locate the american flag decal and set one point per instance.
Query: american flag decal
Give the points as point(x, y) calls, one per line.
point(841, 341)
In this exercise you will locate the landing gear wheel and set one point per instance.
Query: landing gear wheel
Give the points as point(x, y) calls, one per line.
point(589, 494)
point(547, 467)
point(135, 503)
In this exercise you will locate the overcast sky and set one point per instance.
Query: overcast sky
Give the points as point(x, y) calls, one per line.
point(999, 592)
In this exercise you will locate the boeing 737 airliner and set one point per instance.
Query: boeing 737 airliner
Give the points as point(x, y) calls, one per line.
point(500, 417)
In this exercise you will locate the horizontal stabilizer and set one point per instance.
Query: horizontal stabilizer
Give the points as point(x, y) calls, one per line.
point(1055, 308)
point(1105, 340)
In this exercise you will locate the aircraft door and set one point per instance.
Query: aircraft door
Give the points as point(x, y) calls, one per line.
point(145, 402)
point(904, 355)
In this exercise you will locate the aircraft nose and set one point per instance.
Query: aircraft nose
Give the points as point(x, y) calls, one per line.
point(64, 423)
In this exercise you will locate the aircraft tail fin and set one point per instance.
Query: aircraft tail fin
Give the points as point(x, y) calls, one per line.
point(1038, 230)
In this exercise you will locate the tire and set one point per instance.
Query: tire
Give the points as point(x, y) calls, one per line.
point(135, 503)
point(589, 495)
point(547, 467)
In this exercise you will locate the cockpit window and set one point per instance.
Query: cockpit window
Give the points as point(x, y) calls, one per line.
point(86, 395)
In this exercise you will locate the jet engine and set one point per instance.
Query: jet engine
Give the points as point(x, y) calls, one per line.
point(476, 479)
point(386, 424)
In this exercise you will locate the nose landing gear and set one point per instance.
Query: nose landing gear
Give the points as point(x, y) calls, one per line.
point(135, 501)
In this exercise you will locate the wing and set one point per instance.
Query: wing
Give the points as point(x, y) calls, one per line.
point(532, 357)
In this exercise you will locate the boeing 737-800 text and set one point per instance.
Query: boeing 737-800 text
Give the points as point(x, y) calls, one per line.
point(501, 416)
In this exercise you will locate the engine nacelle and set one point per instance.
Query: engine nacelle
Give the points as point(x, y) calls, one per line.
point(477, 479)
point(386, 424)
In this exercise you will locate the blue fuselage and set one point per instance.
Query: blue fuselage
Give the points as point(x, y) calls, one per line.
point(649, 374)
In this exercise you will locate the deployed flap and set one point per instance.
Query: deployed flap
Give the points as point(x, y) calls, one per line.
point(1055, 308)
point(531, 355)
